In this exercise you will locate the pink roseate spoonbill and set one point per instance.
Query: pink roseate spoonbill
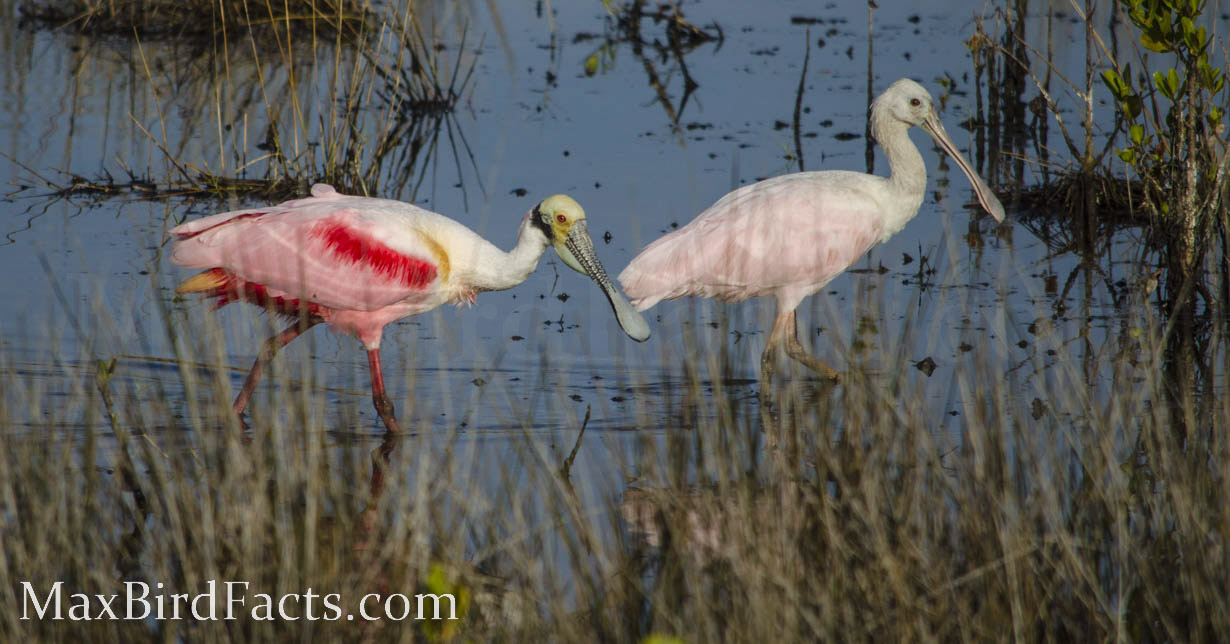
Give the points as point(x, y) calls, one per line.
point(358, 263)
point(788, 236)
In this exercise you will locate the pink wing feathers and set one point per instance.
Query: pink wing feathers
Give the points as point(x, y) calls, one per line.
point(786, 237)
point(316, 250)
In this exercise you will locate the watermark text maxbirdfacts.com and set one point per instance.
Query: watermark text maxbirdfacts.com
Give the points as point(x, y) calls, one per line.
point(227, 600)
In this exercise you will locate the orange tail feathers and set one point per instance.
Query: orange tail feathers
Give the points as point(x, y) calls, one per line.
point(212, 281)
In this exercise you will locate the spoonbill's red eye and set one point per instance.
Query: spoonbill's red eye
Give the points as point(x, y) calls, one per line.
point(561, 219)
point(915, 102)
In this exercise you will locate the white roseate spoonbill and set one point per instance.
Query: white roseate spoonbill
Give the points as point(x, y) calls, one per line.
point(788, 236)
point(358, 263)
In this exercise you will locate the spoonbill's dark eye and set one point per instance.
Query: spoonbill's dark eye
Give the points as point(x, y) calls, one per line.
point(915, 102)
point(561, 219)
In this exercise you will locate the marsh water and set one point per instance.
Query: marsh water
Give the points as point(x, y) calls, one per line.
point(643, 134)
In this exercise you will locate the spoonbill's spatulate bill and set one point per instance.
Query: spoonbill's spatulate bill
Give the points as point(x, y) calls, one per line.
point(357, 264)
point(788, 236)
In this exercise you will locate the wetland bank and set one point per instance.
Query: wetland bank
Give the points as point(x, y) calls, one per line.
point(1029, 438)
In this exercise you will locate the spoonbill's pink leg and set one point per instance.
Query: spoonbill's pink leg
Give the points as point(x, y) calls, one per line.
point(384, 406)
point(767, 363)
point(268, 350)
point(786, 333)
point(795, 350)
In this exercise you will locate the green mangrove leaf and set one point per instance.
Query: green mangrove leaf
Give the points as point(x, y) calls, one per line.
point(1159, 82)
point(591, 65)
point(1128, 156)
point(1137, 133)
point(1137, 16)
point(1154, 45)
point(1187, 28)
point(1204, 74)
point(1115, 83)
point(1192, 37)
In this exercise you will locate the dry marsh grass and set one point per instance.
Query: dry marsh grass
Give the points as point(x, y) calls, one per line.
point(357, 96)
point(846, 514)
point(198, 19)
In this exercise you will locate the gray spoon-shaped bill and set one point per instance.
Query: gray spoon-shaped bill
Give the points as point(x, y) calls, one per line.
point(578, 252)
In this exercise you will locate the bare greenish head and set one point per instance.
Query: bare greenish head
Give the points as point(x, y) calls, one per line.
point(562, 220)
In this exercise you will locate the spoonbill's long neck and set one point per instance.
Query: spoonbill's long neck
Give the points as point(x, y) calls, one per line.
point(908, 172)
point(499, 270)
